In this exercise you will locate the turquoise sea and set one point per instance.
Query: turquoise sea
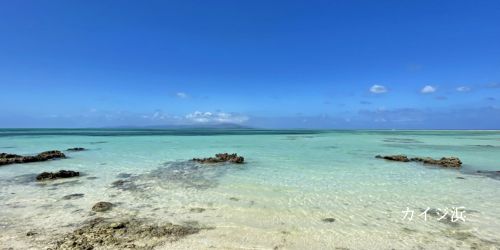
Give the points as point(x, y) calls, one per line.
point(292, 180)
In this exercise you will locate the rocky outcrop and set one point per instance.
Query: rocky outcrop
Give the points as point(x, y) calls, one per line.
point(57, 175)
point(102, 206)
point(100, 233)
point(223, 157)
point(75, 149)
point(44, 156)
point(447, 162)
point(402, 158)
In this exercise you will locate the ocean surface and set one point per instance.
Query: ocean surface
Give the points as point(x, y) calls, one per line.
point(291, 181)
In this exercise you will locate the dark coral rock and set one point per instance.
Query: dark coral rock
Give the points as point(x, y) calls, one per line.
point(44, 156)
point(104, 234)
point(447, 162)
point(402, 158)
point(56, 175)
point(223, 157)
point(47, 155)
point(102, 206)
point(329, 220)
point(75, 149)
point(31, 233)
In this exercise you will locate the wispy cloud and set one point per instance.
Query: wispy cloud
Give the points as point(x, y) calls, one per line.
point(428, 89)
point(378, 89)
point(217, 117)
point(432, 118)
point(493, 85)
point(463, 89)
point(181, 95)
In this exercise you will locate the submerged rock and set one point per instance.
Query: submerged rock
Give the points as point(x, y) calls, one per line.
point(102, 206)
point(441, 216)
point(223, 157)
point(128, 233)
point(72, 196)
point(31, 233)
point(57, 175)
point(197, 210)
point(118, 183)
point(447, 162)
point(179, 174)
point(44, 156)
point(124, 175)
point(125, 185)
point(75, 149)
point(329, 220)
point(495, 174)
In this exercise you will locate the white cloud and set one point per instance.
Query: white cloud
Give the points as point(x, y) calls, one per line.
point(181, 95)
point(428, 89)
point(378, 89)
point(463, 89)
point(218, 117)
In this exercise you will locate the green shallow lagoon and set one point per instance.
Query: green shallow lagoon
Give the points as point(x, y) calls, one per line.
point(291, 181)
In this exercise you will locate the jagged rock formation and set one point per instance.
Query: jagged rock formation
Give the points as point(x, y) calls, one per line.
point(57, 175)
point(44, 156)
point(223, 157)
point(447, 162)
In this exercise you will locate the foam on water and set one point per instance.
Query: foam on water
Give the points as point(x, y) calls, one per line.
point(278, 199)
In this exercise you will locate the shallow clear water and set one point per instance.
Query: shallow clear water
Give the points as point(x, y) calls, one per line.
point(291, 181)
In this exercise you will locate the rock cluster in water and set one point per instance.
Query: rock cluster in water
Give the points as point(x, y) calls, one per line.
point(124, 234)
point(44, 156)
point(223, 157)
point(57, 175)
point(447, 162)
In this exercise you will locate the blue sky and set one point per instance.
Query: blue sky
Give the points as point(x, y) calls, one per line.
point(279, 64)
